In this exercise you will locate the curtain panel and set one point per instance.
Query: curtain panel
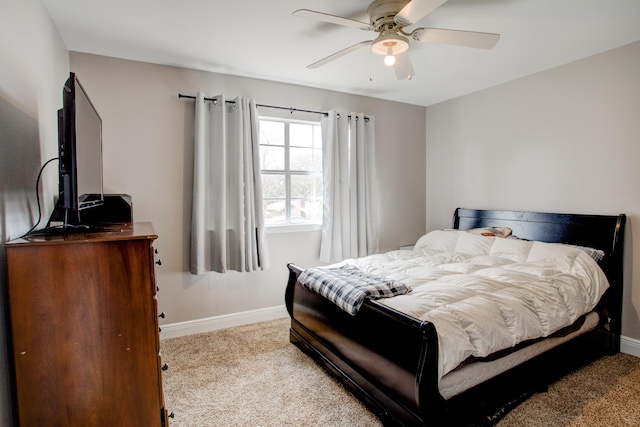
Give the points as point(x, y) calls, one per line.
point(350, 216)
point(227, 227)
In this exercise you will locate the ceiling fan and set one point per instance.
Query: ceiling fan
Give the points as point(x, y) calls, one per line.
point(389, 18)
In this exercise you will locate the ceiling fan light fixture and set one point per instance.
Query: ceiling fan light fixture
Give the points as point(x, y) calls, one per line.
point(389, 45)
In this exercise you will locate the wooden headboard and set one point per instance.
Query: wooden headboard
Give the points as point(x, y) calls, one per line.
point(604, 232)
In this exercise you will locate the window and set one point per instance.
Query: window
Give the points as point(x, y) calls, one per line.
point(291, 164)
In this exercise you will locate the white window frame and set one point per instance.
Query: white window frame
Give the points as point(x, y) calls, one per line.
point(288, 226)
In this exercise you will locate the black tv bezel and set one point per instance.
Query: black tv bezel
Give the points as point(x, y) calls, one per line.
point(68, 163)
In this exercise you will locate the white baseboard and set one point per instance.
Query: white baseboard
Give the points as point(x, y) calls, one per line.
point(173, 330)
point(630, 346)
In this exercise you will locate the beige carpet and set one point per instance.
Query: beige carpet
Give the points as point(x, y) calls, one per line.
point(252, 376)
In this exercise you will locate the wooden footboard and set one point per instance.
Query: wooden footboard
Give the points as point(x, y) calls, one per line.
point(388, 359)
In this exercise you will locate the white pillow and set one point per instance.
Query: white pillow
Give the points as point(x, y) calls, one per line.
point(474, 244)
point(438, 241)
point(552, 253)
point(516, 250)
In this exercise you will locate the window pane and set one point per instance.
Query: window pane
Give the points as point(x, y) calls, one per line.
point(318, 187)
point(305, 159)
point(271, 133)
point(306, 211)
point(301, 135)
point(272, 158)
point(317, 136)
point(273, 186)
point(274, 212)
point(306, 198)
point(306, 186)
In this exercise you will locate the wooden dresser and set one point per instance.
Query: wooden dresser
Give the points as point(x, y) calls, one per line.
point(84, 324)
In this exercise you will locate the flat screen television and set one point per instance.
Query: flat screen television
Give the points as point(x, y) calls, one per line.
point(80, 150)
point(82, 206)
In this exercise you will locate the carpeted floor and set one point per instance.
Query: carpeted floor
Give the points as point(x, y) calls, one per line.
point(252, 376)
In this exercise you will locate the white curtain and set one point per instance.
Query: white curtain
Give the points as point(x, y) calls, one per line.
point(227, 227)
point(350, 216)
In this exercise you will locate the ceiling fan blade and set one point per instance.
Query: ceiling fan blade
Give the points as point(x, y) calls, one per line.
point(332, 19)
point(456, 37)
point(416, 10)
point(403, 67)
point(339, 54)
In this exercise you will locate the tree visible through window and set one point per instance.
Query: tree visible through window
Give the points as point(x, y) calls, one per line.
point(291, 163)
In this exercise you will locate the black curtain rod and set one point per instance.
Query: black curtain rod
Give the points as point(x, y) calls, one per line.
point(324, 113)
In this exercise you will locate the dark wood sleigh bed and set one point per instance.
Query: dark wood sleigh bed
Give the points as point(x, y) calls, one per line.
point(389, 360)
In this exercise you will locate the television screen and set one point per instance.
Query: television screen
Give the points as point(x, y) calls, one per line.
point(88, 150)
point(80, 150)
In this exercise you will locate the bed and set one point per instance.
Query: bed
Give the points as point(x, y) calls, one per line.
point(393, 361)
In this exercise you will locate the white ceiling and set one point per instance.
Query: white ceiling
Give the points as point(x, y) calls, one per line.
point(261, 39)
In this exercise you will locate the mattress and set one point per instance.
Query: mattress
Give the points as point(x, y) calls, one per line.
point(476, 373)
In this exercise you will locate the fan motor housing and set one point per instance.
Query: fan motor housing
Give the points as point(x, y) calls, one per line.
point(382, 12)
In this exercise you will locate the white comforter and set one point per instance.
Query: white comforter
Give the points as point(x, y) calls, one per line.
point(485, 294)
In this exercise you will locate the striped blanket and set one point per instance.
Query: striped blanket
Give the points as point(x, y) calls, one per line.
point(348, 287)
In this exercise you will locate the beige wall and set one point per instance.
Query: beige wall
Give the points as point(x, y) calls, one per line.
point(33, 67)
point(148, 140)
point(562, 140)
